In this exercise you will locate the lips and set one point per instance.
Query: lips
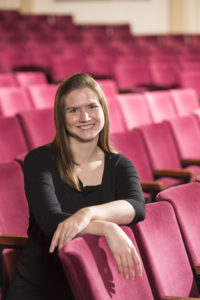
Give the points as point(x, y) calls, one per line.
point(85, 127)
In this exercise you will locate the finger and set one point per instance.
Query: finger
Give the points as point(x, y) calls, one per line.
point(131, 267)
point(55, 240)
point(137, 262)
point(125, 266)
point(118, 262)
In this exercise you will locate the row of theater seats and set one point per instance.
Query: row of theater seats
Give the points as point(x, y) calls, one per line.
point(167, 240)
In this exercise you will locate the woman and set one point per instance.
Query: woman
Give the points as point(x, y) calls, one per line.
point(76, 185)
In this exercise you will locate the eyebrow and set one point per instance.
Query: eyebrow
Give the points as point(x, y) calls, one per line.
point(75, 107)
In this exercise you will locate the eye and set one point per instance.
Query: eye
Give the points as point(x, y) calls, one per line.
point(93, 106)
point(73, 110)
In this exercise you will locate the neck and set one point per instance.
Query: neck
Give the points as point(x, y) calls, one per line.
point(84, 152)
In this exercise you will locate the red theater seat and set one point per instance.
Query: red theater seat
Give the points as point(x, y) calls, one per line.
point(185, 101)
point(30, 78)
point(43, 96)
point(7, 79)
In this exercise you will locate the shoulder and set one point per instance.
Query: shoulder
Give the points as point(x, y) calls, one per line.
point(118, 160)
point(38, 158)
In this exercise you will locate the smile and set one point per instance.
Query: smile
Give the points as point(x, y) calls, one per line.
point(85, 127)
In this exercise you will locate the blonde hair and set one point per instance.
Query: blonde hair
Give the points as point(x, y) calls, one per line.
point(60, 147)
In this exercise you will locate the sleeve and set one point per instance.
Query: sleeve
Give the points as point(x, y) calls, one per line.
point(41, 196)
point(128, 187)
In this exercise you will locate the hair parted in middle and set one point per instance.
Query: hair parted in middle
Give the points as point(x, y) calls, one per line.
point(60, 146)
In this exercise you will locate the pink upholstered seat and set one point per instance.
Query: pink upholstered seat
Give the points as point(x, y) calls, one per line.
point(93, 274)
point(162, 150)
point(13, 212)
point(160, 105)
point(163, 253)
point(38, 126)
point(7, 79)
point(30, 78)
point(43, 96)
point(109, 88)
point(117, 123)
point(190, 79)
point(13, 100)
point(135, 110)
point(186, 202)
point(12, 141)
point(185, 101)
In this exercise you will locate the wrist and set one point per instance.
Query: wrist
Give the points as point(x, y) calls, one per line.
point(108, 228)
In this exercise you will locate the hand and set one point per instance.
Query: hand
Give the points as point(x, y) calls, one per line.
point(124, 252)
point(70, 227)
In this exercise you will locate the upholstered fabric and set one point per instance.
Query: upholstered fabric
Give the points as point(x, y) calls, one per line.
point(7, 79)
point(30, 78)
point(12, 141)
point(135, 110)
point(186, 202)
point(160, 105)
point(38, 126)
point(163, 253)
point(109, 88)
point(13, 100)
point(92, 271)
point(185, 101)
point(43, 95)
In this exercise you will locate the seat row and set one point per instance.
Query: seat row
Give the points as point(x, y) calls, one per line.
point(158, 150)
point(167, 242)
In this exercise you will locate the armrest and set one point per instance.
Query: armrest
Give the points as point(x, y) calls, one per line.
point(175, 173)
point(197, 269)
point(151, 186)
point(190, 161)
point(12, 241)
point(178, 298)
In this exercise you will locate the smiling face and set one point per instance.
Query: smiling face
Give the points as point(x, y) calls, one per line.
point(84, 117)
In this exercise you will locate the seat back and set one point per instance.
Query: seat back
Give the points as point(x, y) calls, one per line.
point(135, 110)
point(38, 126)
point(185, 101)
point(14, 100)
point(185, 200)
point(160, 146)
point(163, 74)
point(161, 105)
point(163, 253)
point(109, 88)
point(30, 78)
point(190, 79)
point(93, 274)
point(12, 141)
point(117, 123)
point(13, 203)
point(131, 145)
point(186, 133)
point(43, 95)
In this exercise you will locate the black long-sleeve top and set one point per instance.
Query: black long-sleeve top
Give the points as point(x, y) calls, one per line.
point(51, 201)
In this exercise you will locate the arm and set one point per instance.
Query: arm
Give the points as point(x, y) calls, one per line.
point(40, 192)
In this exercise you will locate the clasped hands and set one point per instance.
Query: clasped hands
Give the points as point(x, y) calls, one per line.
point(122, 248)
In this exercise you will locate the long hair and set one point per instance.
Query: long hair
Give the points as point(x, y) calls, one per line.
point(60, 147)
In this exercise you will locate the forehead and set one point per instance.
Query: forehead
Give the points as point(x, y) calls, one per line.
point(80, 97)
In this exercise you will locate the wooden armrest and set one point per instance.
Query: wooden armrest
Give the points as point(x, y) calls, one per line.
point(178, 298)
point(151, 186)
point(12, 241)
point(197, 269)
point(175, 173)
point(190, 161)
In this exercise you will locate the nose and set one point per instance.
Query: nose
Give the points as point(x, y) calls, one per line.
point(84, 117)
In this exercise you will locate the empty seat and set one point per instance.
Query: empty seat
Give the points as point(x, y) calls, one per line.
point(109, 88)
point(12, 141)
point(186, 133)
point(135, 110)
point(13, 216)
point(163, 253)
point(30, 78)
point(185, 101)
point(92, 272)
point(185, 200)
point(13, 100)
point(190, 79)
point(38, 126)
point(43, 96)
point(161, 105)
point(163, 154)
point(115, 116)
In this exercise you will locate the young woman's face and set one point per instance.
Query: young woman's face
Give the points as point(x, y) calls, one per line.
point(84, 117)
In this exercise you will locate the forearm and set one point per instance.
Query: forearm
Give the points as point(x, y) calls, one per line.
point(120, 212)
point(97, 227)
